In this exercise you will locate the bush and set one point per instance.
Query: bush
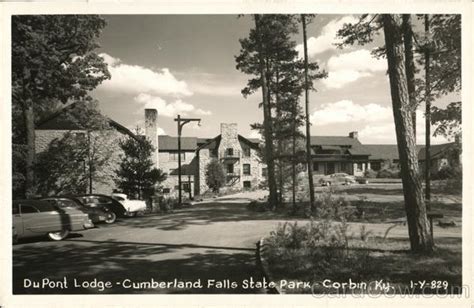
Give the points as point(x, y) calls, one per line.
point(168, 204)
point(389, 174)
point(330, 207)
point(447, 173)
point(371, 174)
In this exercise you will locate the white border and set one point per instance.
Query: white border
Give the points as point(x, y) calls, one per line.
point(463, 7)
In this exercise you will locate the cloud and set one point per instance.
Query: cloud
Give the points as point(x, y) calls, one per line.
point(346, 111)
point(168, 109)
point(138, 79)
point(327, 39)
point(255, 134)
point(384, 133)
point(351, 66)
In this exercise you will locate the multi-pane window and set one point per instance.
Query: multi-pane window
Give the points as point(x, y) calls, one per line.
point(246, 169)
point(174, 156)
point(230, 168)
point(246, 152)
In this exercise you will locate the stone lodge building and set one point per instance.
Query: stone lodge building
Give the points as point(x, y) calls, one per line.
point(239, 155)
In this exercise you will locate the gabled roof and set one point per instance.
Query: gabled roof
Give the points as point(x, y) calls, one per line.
point(169, 143)
point(351, 145)
point(384, 151)
point(59, 121)
point(436, 150)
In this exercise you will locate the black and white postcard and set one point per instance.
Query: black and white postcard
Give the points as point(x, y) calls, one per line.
point(267, 152)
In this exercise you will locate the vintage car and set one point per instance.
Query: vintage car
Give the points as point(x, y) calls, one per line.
point(32, 218)
point(104, 202)
point(337, 178)
point(96, 214)
point(132, 206)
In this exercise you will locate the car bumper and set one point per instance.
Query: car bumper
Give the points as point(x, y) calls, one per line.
point(89, 224)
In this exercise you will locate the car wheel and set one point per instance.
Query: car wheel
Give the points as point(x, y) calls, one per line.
point(111, 217)
point(58, 236)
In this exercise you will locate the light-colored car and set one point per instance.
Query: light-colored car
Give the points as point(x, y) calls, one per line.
point(132, 206)
point(32, 218)
point(337, 178)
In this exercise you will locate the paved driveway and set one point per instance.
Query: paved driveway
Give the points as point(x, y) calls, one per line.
point(210, 241)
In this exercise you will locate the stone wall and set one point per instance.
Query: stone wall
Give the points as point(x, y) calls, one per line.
point(107, 144)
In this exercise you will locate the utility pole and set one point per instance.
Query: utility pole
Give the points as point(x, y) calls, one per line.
point(181, 122)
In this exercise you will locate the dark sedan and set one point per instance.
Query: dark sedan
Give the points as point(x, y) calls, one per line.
point(96, 214)
point(103, 201)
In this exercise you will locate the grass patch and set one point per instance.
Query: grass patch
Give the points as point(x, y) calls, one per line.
point(325, 253)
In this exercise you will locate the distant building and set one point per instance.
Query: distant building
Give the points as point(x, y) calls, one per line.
point(446, 155)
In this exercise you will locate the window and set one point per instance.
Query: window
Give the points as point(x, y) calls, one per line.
point(229, 152)
point(247, 184)
point(166, 190)
point(246, 151)
point(186, 187)
point(315, 166)
point(264, 172)
point(230, 168)
point(246, 169)
point(174, 156)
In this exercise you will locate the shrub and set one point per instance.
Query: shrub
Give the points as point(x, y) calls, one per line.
point(371, 174)
point(215, 176)
point(447, 172)
point(168, 204)
point(388, 174)
point(330, 207)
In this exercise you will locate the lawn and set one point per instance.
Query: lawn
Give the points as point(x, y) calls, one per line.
point(330, 253)
point(387, 260)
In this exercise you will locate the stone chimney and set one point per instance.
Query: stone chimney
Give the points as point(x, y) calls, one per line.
point(229, 136)
point(151, 132)
point(354, 135)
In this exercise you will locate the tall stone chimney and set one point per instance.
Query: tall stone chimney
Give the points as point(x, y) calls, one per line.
point(354, 135)
point(151, 132)
point(229, 136)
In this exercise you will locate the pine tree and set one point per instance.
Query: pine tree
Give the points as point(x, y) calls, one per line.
point(136, 175)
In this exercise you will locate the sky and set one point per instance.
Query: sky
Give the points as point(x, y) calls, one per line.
point(185, 64)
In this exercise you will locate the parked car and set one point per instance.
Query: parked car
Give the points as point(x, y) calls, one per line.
point(33, 218)
point(132, 206)
point(96, 214)
point(103, 201)
point(337, 178)
point(362, 180)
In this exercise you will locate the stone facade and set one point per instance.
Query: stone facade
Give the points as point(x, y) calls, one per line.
point(108, 146)
point(240, 160)
point(238, 155)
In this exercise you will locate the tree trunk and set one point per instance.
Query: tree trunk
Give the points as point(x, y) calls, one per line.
point(293, 165)
point(29, 117)
point(267, 121)
point(418, 226)
point(308, 133)
point(427, 118)
point(410, 66)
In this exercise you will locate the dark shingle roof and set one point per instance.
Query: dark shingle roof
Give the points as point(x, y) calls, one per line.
point(169, 143)
point(353, 146)
point(436, 150)
point(384, 151)
point(60, 120)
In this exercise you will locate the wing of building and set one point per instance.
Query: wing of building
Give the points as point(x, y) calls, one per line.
point(239, 155)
